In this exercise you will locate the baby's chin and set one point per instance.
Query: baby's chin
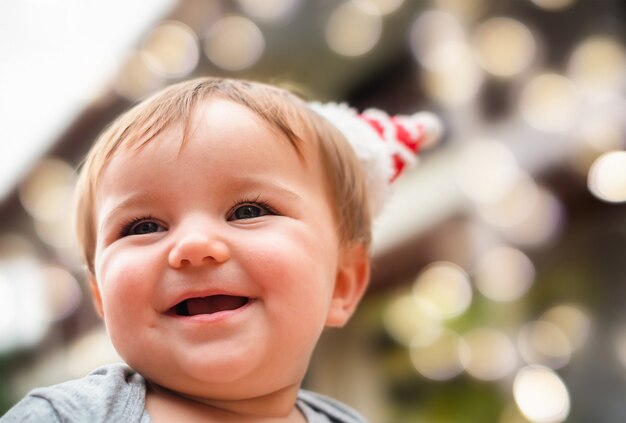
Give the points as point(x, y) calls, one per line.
point(274, 404)
point(221, 384)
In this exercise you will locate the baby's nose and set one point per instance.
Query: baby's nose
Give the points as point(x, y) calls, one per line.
point(196, 250)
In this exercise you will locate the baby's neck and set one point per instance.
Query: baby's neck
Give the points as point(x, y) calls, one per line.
point(164, 405)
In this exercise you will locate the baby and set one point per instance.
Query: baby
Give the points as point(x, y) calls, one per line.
point(224, 225)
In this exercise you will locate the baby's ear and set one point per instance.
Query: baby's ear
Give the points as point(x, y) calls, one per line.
point(353, 274)
point(95, 294)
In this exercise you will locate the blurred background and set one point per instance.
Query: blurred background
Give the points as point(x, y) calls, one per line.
point(499, 267)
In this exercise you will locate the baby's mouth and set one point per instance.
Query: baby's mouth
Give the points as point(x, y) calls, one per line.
point(208, 305)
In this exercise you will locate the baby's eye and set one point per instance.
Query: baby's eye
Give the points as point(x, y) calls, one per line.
point(248, 211)
point(142, 227)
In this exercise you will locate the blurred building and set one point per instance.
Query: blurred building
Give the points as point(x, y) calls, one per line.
point(499, 283)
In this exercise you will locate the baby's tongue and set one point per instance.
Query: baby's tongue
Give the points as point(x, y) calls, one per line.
point(214, 303)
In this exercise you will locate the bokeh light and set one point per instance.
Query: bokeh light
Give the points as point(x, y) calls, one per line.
point(136, 79)
point(407, 323)
point(504, 274)
point(555, 5)
point(607, 177)
point(442, 359)
point(61, 291)
point(437, 41)
point(59, 234)
point(455, 86)
point(598, 64)
point(550, 103)
point(384, 7)
point(171, 49)
point(14, 248)
point(541, 226)
point(199, 15)
point(22, 313)
point(443, 290)
point(515, 205)
point(234, 43)
point(273, 11)
point(542, 342)
point(573, 320)
point(541, 395)
point(486, 170)
point(451, 74)
point(353, 29)
point(491, 354)
point(504, 47)
point(46, 193)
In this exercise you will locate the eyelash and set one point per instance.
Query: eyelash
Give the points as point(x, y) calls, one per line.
point(126, 227)
point(252, 201)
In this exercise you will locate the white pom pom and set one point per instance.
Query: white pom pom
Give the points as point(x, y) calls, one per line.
point(371, 151)
point(383, 155)
point(433, 128)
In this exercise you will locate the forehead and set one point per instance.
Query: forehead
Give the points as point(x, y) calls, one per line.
point(143, 128)
point(217, 128)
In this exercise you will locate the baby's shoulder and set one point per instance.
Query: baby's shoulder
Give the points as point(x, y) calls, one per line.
point(319, 408)
point(110, 393)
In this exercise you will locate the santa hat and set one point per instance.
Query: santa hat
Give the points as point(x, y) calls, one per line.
point(385, 145)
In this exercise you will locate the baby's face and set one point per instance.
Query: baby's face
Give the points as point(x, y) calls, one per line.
point(216, 263)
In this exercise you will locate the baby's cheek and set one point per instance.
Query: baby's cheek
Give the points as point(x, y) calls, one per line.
point(296, 268)
point(126, 298)
point(125, 286)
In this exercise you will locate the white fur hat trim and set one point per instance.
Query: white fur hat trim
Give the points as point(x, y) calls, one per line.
point(374, 154)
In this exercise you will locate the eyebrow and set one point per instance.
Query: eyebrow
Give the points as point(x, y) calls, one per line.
point(247, 183)
point(128, 201)
point(260, 184)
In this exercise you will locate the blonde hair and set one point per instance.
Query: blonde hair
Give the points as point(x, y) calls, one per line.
point(141, 124)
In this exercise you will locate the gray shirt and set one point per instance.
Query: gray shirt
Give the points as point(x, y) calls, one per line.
point(116, 393)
